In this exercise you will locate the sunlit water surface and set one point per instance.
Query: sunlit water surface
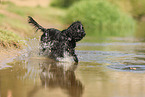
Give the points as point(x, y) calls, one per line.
point(114, 69)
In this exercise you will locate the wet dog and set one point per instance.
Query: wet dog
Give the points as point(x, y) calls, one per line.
point(56, 42)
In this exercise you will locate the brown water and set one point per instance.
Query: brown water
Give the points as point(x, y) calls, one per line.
point(107, 69)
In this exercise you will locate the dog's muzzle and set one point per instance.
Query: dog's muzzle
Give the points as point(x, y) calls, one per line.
point(83, 34)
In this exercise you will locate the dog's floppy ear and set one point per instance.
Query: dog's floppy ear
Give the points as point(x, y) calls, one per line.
point(35, 24)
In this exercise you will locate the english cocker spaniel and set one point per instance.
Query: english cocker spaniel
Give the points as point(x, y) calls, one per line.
point(55, 42)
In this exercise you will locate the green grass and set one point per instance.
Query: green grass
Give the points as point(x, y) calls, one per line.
point(1, 18)
point(101, 18)
point(10, 39)
point(14, 25)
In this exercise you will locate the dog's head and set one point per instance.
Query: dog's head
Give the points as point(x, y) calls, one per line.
point(76, 31)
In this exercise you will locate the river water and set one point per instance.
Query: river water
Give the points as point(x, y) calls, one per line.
point(105, 69)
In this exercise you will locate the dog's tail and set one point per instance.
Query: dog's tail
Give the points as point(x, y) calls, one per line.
point(35, 24)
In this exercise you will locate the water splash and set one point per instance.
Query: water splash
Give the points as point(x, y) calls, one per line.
point(66, 58)
point(33, 49)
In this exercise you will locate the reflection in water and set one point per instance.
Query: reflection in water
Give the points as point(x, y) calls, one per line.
point(106, 70)
point(29, 77)
point(54, 75)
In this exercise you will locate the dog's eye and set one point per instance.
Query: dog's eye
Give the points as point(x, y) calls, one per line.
point(80, 28)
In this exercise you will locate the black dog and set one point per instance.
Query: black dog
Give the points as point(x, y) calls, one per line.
point(56, 42)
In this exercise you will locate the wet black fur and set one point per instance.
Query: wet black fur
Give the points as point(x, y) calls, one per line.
point(56, 42)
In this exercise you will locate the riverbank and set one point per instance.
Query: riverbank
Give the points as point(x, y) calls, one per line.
point(14, 26)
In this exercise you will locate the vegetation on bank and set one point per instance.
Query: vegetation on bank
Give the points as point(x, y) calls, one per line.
point(101, 18)
point(14, 26)
point(10, 39)
point(63, 3)
point(136, 8)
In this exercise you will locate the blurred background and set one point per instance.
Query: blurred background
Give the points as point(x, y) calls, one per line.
point(101, 18)
point(112, 54)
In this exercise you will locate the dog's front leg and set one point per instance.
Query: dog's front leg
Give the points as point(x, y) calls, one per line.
point(72, 53)
point(75, 58)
